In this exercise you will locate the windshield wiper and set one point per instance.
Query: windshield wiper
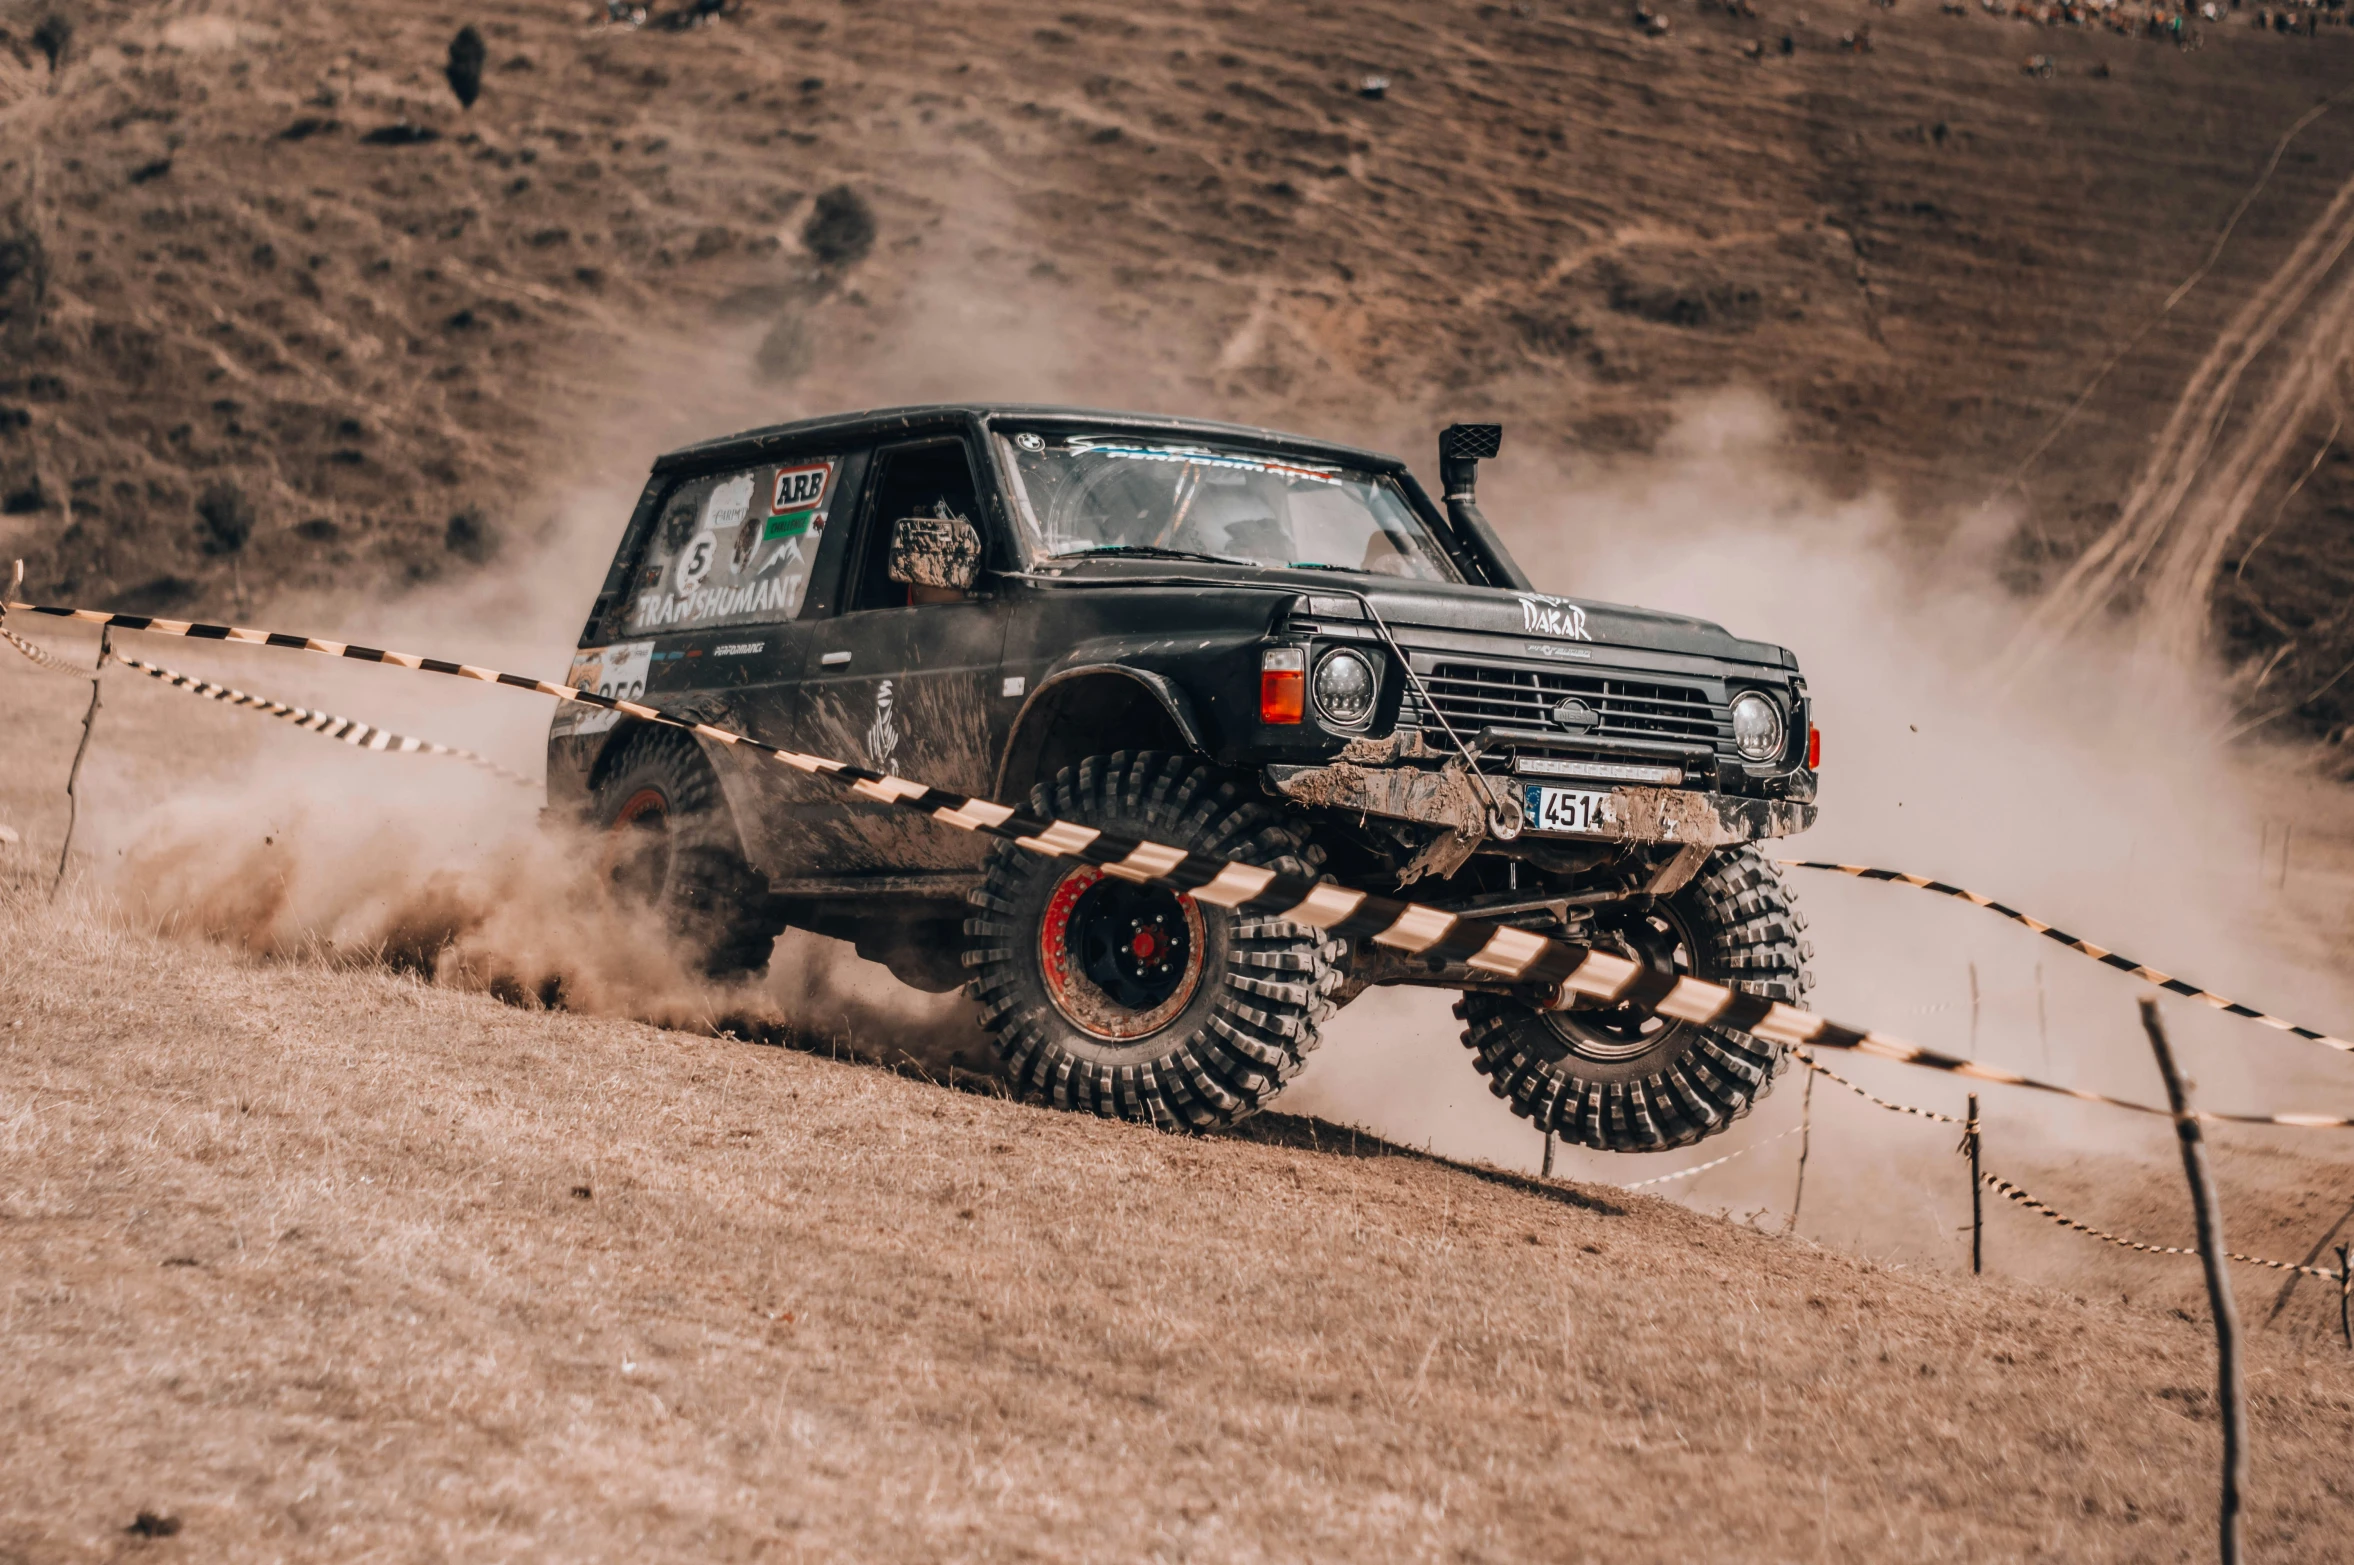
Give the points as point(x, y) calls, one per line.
point(1151, 552)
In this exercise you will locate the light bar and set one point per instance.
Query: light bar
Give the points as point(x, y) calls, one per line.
point(1600, 771)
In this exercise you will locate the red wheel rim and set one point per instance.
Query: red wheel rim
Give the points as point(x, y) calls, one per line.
point(636, 809)
point(1085, 1002)
point(637, 847)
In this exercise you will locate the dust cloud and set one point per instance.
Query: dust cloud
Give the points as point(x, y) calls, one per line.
point(276, 842)
point(282, 844)
point(2099, 799)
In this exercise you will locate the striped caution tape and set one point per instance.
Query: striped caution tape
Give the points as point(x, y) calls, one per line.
point(2020, 1197)
point(1702, 1168)
point(1556, 968)
point(41, 656)
point(1819, 1069)
point(2101, 954)
point(350, 731)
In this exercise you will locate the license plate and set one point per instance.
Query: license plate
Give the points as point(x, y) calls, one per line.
point(1563, 809)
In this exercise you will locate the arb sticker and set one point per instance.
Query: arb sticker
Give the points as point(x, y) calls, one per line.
point(800, 488)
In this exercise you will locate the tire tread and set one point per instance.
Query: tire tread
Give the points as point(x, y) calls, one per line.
point(1755, 944)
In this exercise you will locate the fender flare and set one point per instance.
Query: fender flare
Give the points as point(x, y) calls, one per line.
point(1164, 691)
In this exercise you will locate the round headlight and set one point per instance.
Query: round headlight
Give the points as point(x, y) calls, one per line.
point(1757, 726)
point(1346, 687)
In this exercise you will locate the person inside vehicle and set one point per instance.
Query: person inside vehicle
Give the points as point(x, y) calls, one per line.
point(928, 483)
point(919, 592)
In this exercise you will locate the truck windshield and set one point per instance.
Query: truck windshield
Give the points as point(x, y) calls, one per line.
point(1119, 494)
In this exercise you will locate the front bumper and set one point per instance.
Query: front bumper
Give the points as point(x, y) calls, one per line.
point(1465, 802)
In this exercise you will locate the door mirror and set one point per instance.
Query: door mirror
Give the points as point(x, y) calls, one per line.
point(935, 551)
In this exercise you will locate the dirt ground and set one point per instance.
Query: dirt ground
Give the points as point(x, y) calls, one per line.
point(330, 1263)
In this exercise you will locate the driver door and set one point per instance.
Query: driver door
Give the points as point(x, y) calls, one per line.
point(907, 688)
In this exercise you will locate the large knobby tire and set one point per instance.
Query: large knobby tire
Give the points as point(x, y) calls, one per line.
point(1134, 1002)
point(1620, 1082)
point(671, 846)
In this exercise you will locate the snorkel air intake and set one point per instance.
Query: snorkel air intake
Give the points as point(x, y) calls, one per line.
point(1461, 447)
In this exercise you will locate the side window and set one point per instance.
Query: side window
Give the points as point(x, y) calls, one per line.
point(932, 479)
point(733, 548)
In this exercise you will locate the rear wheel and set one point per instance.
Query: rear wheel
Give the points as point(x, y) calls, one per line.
point(671, 846)
point(1137, 1002)
point(1621, 1080)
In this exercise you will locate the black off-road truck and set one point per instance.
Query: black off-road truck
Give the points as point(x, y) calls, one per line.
point(1246, 643)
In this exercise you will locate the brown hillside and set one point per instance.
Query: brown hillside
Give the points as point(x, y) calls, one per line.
point(234, 267)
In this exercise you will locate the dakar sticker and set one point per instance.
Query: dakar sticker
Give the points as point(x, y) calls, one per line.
point(882, 736)
point(1548, 616)
point(617, 672)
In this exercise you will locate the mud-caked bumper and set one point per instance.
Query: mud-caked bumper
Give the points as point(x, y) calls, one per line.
point(1468, 802)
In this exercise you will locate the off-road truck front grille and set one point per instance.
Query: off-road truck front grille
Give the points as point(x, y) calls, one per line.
point(1472, 696)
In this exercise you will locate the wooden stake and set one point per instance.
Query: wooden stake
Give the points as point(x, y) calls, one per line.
point(2345, 1292)
point(1977, 1194)
point(1547, 1170)
point(2206, 1207)
point(2043, 1032)
point(1806, 1136)
point(73, 780)
point(1970, 1141)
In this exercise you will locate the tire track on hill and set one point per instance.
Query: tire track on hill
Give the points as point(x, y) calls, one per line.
point(2186, 504)
point(2175, 605)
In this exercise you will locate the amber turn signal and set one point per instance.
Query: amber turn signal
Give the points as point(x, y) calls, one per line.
point(1283, 684)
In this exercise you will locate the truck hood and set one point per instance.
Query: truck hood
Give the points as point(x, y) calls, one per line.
point(1547, 617)
point(1525, 616)
point(1544, 617)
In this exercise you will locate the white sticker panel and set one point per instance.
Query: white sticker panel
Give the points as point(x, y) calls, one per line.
point(733, 549)
point(616, 671)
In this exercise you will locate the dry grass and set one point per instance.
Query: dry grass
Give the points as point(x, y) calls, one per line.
point(301, 1257)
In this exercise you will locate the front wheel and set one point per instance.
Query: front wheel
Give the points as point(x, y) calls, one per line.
point(1133, 1001)
point(1622, 1080)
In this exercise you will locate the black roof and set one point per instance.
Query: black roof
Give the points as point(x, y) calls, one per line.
point(887, 423)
